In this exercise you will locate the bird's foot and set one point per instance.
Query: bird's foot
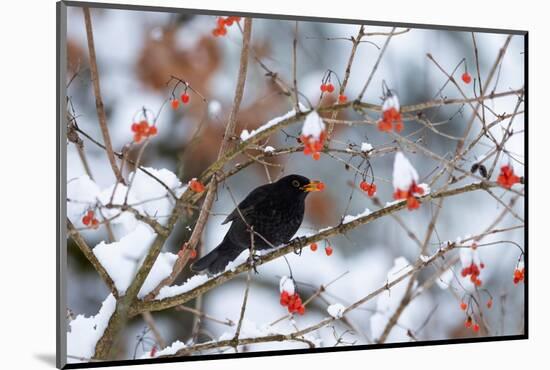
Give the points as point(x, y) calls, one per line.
point(300, 240)
point(253, 261)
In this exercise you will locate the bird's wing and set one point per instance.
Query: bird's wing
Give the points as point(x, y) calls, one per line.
point(247, 205)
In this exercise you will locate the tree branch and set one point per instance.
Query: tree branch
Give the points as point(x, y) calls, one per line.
point(179, 299)
point(98, 100)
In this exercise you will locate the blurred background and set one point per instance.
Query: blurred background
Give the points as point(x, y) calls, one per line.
point(138, 51)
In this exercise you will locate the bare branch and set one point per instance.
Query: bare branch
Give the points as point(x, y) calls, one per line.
point(98, 100)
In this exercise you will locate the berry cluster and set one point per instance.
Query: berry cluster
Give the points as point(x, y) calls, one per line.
point(466, 78)
point(312, 145)
point(143, 130)
point(409, 195)
point(327, 87)
point(175, 103)
point(196, 185)
point(469, 323)
point(221, 24)
point(519, 275)
point(391, 117)
point(328, 248)
point(90, 220)
point(507, 178)
point(473, 271)
point(370, 189)
point(293, 302)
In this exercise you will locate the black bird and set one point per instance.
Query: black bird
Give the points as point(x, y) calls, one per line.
point(274, 211)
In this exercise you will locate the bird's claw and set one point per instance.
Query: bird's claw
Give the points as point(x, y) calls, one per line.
point(253, 260)
point(298, 248)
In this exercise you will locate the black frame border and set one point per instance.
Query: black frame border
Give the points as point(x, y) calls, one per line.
point(61, 250)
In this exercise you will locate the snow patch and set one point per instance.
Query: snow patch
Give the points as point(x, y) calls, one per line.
point(170, 350)
point(366, 147)
point(404, 173)
point(350, 218)
point(122, 260)
point(241, 258)
point(86, 331)
point(125, 219)
point(174, 290)
point(286, 284)
point(245, 134)
point(336, 310)
point(313, 125)
point(145, 188)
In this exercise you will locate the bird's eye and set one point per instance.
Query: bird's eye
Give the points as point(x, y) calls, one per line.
point(296, 183)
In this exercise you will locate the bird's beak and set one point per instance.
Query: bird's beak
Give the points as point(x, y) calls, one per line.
point(314, 186)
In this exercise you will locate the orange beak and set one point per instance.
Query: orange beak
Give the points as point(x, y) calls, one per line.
point(314, 186)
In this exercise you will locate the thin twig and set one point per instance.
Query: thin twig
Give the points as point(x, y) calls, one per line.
point(98, 100)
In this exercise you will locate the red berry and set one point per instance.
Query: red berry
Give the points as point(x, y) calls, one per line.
point(372, 190)
point(185, 98)
point(86, 220)
point(313, 247)
point(463, 306)
point(193, 254)
point(95, 223)
point(475, 328)
point(175, 103)
point(324, 87)
point(342, 98)
point(328, 250)
point(196, 186)
point(222, 31)
point(284, 299)
point(152, 131)
point(330, 88)
point(142, 126)
point(468, 322)
point(134, 127)
point(489, 303)
point(220, 22)
point(466, 77)
point(316, 156)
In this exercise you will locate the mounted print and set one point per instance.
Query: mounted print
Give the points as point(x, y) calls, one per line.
point(236, 184)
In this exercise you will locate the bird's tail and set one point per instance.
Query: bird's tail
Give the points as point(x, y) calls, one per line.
point(217, 259)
